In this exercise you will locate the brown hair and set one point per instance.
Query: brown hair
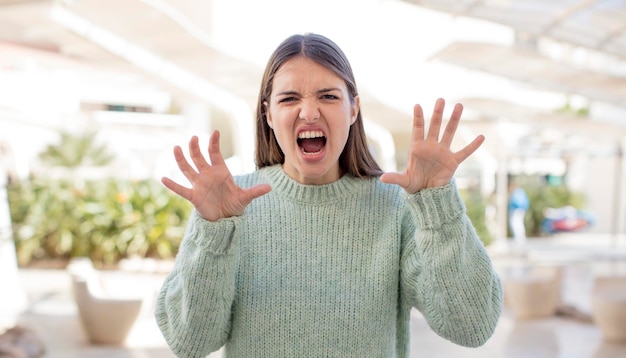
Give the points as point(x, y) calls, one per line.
point(356, 159)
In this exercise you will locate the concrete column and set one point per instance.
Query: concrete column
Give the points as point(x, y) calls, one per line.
point(198, 118)
point(13, 300)
point(619, 194)
point(502, 195)
point(622, 181)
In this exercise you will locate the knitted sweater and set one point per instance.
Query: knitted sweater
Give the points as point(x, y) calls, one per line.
point(329, 271)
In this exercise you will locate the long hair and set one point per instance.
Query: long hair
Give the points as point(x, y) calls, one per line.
point(356, 158)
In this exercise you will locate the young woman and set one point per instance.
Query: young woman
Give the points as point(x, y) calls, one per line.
point(318, 253)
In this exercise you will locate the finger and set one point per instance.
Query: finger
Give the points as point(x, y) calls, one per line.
point(214, 149)
point(255, 192)
point(452, 125)
point(417, 133)
point(435, 120)
point(470, 148)
point(196, 154)
point(177, 188)
point(395, 178)
point(188, 171)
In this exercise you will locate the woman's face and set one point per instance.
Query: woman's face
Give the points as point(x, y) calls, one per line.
point(310, 113)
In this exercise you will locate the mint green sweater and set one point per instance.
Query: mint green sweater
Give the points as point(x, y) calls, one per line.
point(329, 271)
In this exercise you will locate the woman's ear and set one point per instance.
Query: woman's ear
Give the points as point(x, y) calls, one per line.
point(356, 107)
point(266, 114)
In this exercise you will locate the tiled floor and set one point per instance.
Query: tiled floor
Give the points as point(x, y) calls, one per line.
point(53, 313)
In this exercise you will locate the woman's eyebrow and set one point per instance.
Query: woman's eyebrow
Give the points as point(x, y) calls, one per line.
point(287, 93)
point(325, 90)
point(320, 91)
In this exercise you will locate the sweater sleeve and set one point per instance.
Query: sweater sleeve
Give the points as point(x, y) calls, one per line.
point(193, 308)
point(445, 271)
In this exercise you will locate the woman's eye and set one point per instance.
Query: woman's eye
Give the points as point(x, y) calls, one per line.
point(329, 96)
point(287, 99)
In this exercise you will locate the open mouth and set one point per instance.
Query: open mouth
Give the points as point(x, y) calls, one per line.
point(311, 142)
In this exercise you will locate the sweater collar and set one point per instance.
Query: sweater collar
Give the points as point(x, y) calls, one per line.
point(287, 187)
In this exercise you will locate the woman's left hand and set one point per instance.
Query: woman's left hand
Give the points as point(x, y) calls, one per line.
point(431, 163)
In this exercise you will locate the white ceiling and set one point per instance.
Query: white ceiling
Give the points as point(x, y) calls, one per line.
point(595, 24)
point(531, 67)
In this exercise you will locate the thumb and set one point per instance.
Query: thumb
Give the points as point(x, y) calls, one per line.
point(395, 178)
point(256, 191)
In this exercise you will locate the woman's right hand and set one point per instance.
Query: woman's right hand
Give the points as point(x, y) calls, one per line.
point(213, 192)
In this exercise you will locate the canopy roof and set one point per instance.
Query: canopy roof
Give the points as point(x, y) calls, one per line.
point(599, 26)
point(596, 24)
point(531, 67)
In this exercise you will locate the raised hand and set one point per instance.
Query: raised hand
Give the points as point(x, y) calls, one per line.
point(213, 192)
point(431, 162)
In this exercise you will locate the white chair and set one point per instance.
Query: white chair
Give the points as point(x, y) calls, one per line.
point(608, 302)
point(106, 318)
point(536, 293)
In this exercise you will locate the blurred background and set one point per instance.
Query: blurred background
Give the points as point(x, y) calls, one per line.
point(94, 95)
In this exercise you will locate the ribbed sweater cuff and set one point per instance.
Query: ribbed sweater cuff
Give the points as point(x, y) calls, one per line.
point(213, 236)
point(433, 207)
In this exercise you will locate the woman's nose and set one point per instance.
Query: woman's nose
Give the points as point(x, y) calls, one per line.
point(309, 111)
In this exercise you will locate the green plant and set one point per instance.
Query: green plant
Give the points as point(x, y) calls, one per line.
point(567, 108)
point(476, 208)
point(75, 150)
point(106, 220)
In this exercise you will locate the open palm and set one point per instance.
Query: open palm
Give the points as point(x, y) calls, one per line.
point(431, 162)
point(213, 192)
